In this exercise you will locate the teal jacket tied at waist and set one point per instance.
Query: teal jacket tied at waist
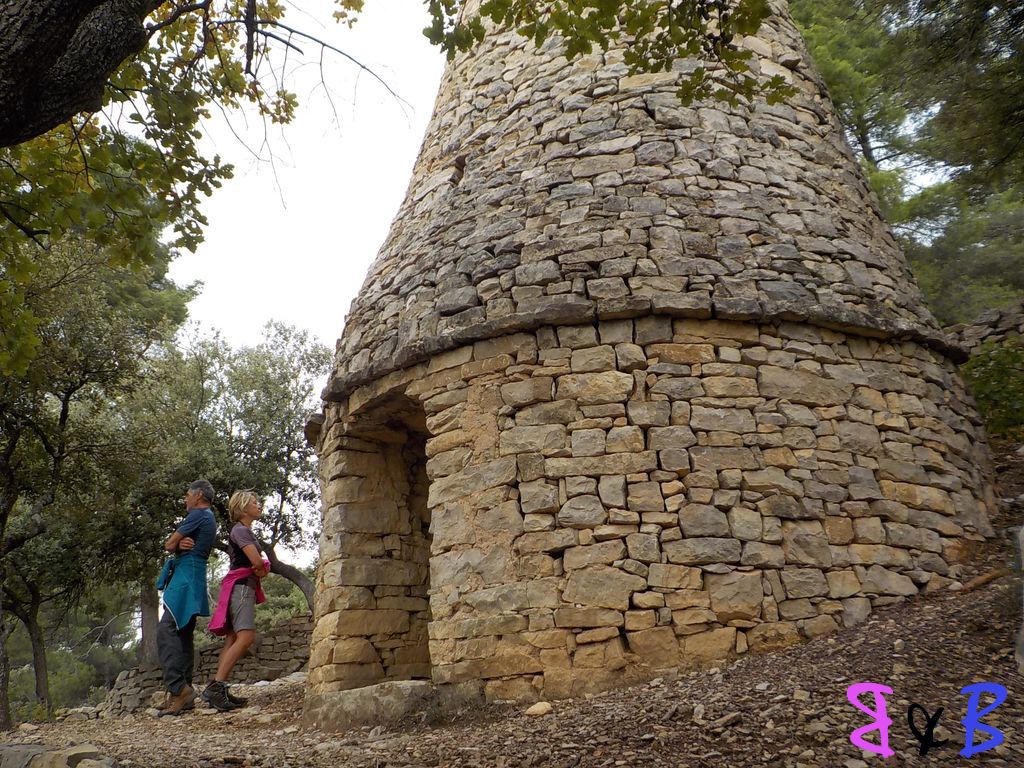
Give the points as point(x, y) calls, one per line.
point(183, 581)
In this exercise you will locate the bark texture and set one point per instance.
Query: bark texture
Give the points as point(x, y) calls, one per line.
point(57, 55)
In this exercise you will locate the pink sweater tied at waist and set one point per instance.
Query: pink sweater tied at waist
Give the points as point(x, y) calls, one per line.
point(219, 620)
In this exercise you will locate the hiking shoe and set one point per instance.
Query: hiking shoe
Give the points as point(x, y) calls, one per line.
point(179, 703)
point(216, 695)
point(238, 701)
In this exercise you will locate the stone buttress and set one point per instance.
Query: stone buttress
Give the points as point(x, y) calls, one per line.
point(630, 386)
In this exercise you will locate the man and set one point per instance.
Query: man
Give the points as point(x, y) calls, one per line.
point(183, 582)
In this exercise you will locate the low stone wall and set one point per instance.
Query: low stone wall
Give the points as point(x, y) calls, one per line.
point(33, 756)
point(278, 653)
point(994, 325)
point(283, 650)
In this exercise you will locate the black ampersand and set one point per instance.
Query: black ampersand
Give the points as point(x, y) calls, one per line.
point(927, 739)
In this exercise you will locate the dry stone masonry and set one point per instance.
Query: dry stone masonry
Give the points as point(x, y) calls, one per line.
point(631, 386)
point(994, 326)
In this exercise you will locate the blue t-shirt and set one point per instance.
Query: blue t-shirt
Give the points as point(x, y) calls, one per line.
point(200, 525)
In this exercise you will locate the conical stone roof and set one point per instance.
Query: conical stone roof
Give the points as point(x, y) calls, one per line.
point(550, 192)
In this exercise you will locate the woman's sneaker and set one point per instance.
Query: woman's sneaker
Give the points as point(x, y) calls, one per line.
point(216, 695)
point(235, 700)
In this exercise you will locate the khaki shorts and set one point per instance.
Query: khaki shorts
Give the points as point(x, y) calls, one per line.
point(242, 608)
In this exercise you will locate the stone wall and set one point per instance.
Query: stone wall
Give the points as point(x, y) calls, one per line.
point(277, 653)
point(611, 499)
point(995, 325)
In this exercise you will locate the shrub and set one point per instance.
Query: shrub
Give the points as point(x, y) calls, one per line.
point(995, 375)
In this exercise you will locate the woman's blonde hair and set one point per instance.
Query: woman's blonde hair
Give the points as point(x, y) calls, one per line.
point(238, 502)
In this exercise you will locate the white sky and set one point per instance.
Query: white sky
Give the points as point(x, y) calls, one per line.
point(292, 240)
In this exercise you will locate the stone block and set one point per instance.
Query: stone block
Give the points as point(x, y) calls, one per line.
point(735, 595)
point(703, 520)
point(718, 459)
point(545, 439)
point(703, 551)
point(614, 464)
point(643, 547)
point(761, 555)
point(600, 586)
point(538, 497)
point(594, 554)
point(612, 490)
point(802, 387)
point(745, 523)
point(804, 582)
point(645, 497)
point(658, 647)
point(776, 636)
point(664, 438)
point(708, 647)
point(593, 359)
point(587, 617)
point(582, 512)
point(595, 388)
point(674, 576)
point(722, 420)
point(471, 480)
point(649, 414)
point(625, 439)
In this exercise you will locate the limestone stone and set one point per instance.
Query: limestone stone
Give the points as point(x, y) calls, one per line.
point(658, 647)
point(735, 595)
point(881, 581)
point(663, 438)
point(772, 637)
point(595, 388)
point(674, 576)
point(600, 586)
point(605, 553)
point(802, 387)
point(761, 555)
point(703, 520)
point(588, 617)
point(625, 439)
point(521, 393)
point(643, 547)
point(842, 584)
point(545, 439)
point(649, 414)
point(745, 523)
point(645, 497)
point(722, 419)
point(538, 497)
point(582, 512)
point(804, 582)
point(701, 551)
point(612, 490)
point(819, 625)
point(713, 645)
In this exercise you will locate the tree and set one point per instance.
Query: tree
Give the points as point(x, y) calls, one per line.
point(271, 389)
point(898, 89)
point(96, 324)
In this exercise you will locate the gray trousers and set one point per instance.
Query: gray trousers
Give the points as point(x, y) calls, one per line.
point(177, 652)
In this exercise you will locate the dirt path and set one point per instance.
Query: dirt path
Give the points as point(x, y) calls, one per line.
point(783, 710)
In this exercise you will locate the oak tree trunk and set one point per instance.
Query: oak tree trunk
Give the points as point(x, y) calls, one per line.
point(57, 55)
point(149, 603)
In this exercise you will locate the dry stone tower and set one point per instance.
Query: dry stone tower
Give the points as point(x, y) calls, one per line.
point(630, 386)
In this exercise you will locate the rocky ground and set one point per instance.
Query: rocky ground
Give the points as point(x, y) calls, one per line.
point(787, 709)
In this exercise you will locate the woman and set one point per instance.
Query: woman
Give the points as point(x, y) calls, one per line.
point(240, 591)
